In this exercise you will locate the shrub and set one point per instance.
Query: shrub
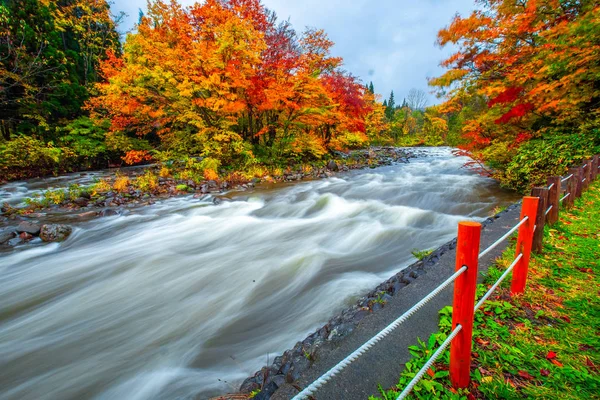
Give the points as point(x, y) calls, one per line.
point(147, 182)
point(121, 184)
point(102, 186)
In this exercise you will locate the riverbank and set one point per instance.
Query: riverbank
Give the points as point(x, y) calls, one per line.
point(544, 342)
point(133, 188)
point(345, 332)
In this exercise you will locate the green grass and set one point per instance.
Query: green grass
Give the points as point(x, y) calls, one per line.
point(544, 344)
point(421, 254)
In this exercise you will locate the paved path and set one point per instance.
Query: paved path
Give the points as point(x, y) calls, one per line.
point(383, 363)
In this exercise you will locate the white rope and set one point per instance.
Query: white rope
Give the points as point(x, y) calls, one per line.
point(567, 195)
point(429, 363)
point(498, 282)
point(313, 387)
point(548, 210)
point(551, 186)
point(567, 178)
point(583, 180)
point(503, 238)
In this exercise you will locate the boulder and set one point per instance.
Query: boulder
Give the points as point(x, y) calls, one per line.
point(25, 236)
point(55, 232)
point(107, 212)
point(332, 165)
point(5, 236)
point(29, 227)
point(81, 201)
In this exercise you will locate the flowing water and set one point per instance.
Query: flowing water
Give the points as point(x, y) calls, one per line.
point(184, 299)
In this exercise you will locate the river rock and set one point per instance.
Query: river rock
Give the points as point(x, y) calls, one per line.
point(29, 227)
point(81, 201)
point(55, 232)
point(107, 212)
point(332, 165)
point(5, 236)
point(25, 236)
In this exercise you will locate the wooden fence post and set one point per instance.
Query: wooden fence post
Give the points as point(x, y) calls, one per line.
point(571, 188)
point(540, 219)
point(467, 254)
point(524, 241)
point(588, 174)
point(594, 167)
point(579, 177)
point(554, 196)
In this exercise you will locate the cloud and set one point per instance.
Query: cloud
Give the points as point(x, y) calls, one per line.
point(389, 42)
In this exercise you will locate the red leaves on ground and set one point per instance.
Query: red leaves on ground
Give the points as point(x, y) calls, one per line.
point(566, 318)
point(544, 372)
point(430, 372)
point(586, 270)
point(551, 355)
point(482, 342)
point(556, 362)
point(526, 375)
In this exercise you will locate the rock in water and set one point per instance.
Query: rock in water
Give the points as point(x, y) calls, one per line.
point(28, 227)
point(6, 236)
point(55, 232)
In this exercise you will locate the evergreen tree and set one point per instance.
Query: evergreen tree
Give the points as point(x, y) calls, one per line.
point(390, 107)
point(371, 88)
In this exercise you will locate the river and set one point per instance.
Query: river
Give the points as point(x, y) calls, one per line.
point(185, 299)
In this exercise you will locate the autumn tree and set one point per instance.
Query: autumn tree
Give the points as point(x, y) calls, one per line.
point(536, 66)
point(226, 80)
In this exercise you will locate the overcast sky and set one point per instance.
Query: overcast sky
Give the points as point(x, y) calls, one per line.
point(389, 42)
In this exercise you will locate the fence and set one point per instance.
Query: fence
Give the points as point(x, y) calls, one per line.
point(537, 210)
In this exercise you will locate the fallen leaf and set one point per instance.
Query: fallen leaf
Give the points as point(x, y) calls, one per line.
point(566, 318)
point(430, 372)
point(525, 375)
point(486, 379)
point(551, 355)
point(557, 363)
point(544, 372)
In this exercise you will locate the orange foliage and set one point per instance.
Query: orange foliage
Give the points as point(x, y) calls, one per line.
point(228, 66)
point(136, 156)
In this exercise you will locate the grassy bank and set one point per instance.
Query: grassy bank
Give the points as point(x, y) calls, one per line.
point(544, 344)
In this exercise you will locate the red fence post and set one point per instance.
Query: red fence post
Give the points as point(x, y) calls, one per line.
point(467, 254)
point(540, 219)
point(554, 199)
point(524, 242)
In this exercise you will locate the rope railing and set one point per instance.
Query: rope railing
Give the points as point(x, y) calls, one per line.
point(498, 282)
point(429, 363)
point(313, 387)
point(566, 178)
point(564, 197)
point(551, 186)
point(503, 238)
point(548, 210)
